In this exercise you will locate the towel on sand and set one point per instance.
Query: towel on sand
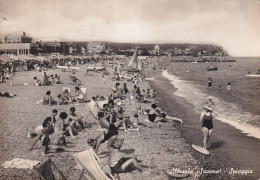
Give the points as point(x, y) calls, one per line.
point(20, 163)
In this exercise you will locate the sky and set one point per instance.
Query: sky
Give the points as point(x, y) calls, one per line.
point(233, 24)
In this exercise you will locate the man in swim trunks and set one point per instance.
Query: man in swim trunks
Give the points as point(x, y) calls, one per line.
point(64, 127)
point(156, 115)
point(120, 161)
point(58, 141)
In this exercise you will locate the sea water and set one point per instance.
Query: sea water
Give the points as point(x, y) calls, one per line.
point(239, 107)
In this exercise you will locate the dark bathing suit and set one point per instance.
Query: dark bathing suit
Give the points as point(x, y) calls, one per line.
point(111, 132)
point(207, 122)
point(118, 167)
point(151, 117)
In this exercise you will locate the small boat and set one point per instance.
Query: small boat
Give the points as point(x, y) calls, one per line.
point(257, 75)
point(253, 75)
point(194, 62)
point(212, 68)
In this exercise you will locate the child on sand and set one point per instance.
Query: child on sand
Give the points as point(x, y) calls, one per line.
point(120, 161)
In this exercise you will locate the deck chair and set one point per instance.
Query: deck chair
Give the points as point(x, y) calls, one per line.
point(44, 169)
point(91, 166)
point(84, 91)
point(74, 81)
point(93, 110)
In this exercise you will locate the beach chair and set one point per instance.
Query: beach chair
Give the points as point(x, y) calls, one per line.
point(84, 91)
point(93, 110)
point(74, 81)
point(91, 166)
point(45, 168)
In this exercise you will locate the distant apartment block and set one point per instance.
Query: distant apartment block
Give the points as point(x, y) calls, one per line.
point(96, 47)
point(15, 43)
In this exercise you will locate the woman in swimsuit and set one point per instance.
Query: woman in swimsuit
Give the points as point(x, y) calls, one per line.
point(109, 135)
point(120, 161)
point(206, 119)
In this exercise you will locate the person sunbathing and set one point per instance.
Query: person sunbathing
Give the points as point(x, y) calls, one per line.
point(79, 95)
point(156, 115)
point(48, 99)
point(118, 116)
point(125, 90)
point(57, 143)
point(36, 82)
point(78, 120)
point(154, 94)
point(51, 120)
point(6, 94)
point(64, 125)
point(110, 135)
point(120, 161)
point(147, 94)
point(65, 97)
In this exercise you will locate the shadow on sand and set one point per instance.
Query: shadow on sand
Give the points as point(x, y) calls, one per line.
point(216, 145)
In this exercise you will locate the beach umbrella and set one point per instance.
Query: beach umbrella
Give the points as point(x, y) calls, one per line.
point(5, 58)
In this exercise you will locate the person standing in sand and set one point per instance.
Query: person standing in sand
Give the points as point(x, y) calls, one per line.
point(206, 119)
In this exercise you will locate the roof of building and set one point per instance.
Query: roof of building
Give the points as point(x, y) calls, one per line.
point(49, 40)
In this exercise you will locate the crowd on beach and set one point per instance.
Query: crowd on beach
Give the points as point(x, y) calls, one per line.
point(119, 110)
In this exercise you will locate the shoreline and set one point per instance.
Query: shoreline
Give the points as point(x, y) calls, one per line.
point(227, 151)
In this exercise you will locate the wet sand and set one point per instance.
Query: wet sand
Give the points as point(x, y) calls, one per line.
point(228, 146)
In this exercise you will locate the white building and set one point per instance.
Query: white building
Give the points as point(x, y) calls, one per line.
point(96, 47)
point(16, 44)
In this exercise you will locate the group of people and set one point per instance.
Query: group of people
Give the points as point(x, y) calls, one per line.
point(228, 86)
point(64, 98)
point(65, 124)
point(47, 80)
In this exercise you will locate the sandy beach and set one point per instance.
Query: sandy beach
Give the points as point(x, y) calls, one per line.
point(160, 149)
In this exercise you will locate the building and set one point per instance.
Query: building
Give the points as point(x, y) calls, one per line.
point(82, 50)
point(15, 43)
point(157, 49)
point(96, 47)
